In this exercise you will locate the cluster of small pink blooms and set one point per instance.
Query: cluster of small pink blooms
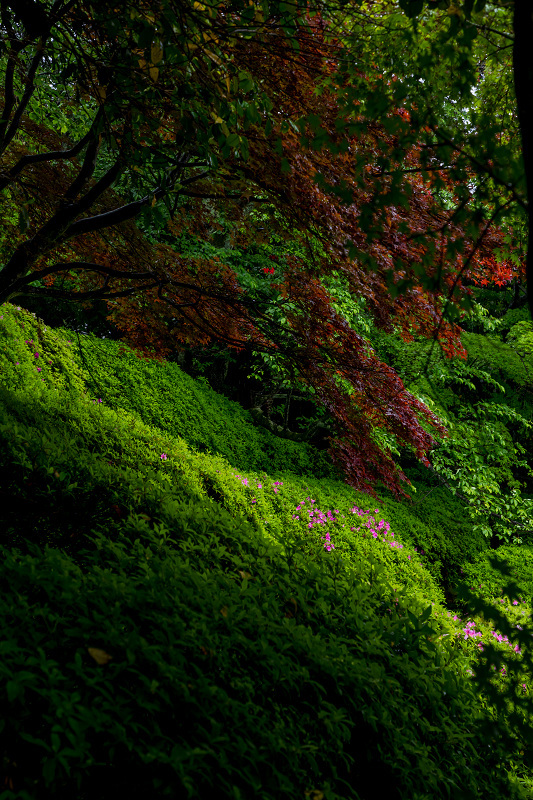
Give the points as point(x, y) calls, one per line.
point(379, 529)
point(163, 456)
point(254, 500)
point(318, 517)
point(276, 486)
point(328, 545)
point(395, 543)
point(470, 630)
point(499, 636)
point(505, 640)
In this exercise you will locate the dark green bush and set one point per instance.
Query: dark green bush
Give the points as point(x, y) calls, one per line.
point(189, 660)
point(499, 358)
point(493, 570)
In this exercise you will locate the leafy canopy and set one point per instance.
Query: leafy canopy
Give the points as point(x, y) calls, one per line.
point(126, 125)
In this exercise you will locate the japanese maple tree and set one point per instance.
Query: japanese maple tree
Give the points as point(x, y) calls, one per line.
point(168, 112)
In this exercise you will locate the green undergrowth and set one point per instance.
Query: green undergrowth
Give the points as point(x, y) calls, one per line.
point(492, 571)
point(162, 394)
point(503, 359)
point(173, 625)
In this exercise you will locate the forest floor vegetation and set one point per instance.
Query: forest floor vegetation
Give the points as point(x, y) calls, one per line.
point(191, 605)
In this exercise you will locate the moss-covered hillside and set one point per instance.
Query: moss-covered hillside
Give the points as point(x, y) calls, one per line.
point(193, 607)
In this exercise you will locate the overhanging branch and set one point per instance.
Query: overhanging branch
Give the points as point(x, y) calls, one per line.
point(125, 212)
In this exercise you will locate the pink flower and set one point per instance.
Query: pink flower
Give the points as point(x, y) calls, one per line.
point(164, 456)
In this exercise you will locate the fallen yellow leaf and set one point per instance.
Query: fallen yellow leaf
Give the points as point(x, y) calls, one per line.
point(100, 656)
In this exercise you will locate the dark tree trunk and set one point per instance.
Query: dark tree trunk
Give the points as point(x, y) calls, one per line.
point(523, 82)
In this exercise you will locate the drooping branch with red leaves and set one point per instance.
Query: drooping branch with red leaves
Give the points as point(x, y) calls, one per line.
point(181, 115)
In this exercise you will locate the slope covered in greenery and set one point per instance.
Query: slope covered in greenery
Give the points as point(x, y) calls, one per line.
point(177, 623)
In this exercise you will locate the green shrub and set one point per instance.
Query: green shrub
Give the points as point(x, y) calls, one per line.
point(499, 358)
point(436, 523)
point(162, 394)
point(32, 354)
point(513, 316)
point(183, 655)
point(493, 570)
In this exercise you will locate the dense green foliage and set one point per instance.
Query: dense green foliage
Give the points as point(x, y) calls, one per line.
point(195, 600)
point(175, 624)
point(162, 394)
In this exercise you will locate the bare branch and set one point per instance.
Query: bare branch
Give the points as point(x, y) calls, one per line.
point(51, 155)
point(125, 212)
point(84, 266)
point(26, 97)
point(86, 172)
point(9, 92)
point(484, 28)
point(95, 294)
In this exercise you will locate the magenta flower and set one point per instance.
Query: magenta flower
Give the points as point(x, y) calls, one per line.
point(164, 456)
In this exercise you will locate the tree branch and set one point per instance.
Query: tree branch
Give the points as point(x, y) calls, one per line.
point(51, 155)
point(482, 167)
point(29, 90)
point(84, 266)
point(95, 294)
point(9, 91)
point(125, 212)
point(86, 172)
